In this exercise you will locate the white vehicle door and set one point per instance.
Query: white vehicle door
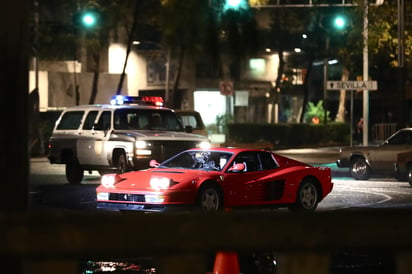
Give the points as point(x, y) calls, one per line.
point(91, 148)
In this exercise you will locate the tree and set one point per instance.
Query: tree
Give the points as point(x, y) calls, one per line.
point(204, 30)
point(282, 35)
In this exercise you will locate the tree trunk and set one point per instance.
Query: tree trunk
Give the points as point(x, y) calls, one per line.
point(276, 88)
point(306, 89)
point(340, 116)
point(96, 75)
point(170, 99)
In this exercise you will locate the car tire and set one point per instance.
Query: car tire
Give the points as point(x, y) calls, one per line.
point(307, 197)
point(359, 169)
point(121, 163)
point(210, 199)
point(410, 175)
point(74, 172)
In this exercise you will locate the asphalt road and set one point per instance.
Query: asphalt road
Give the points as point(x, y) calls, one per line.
point(50, 190)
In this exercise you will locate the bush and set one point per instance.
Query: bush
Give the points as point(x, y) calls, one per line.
point(289, 135)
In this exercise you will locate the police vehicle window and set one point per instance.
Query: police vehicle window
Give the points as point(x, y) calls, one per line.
point(267, 160)
point(120, 119)
point(159, 119)
point(70, 120)
point(89, 121)
point(171, 121)
point(189, 120)
point(104, 121)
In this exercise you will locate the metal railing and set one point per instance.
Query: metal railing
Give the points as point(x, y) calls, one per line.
point(180, 242)
point(381, 131)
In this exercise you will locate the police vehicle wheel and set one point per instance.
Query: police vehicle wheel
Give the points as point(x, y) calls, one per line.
point(74, 173)
point(121, 164)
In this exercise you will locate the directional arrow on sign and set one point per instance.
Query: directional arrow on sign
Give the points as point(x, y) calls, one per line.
point(352, 85)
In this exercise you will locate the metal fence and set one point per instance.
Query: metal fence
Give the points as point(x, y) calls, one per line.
point(381, 131)
point(180, 242)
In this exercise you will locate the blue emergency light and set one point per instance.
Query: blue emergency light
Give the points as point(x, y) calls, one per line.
point(138, 100)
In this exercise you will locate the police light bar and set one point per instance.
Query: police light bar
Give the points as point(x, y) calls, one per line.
point(138, 100)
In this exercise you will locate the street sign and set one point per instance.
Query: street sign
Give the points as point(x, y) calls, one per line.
point(352, 85)
point(226, 88)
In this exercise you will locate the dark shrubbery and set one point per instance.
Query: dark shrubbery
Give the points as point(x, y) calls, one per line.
point(290, 135)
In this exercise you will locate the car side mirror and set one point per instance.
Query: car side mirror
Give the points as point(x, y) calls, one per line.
point(188, 129)
point(154, 163)
point(237, 168)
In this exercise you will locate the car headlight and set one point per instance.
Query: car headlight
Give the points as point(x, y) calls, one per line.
point(141, 144)
point(109, 180)
point(143, 148)
point(161, 182)
point(204, 145)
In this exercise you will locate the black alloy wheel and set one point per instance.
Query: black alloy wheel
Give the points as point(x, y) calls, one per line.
point(359, 169)
point(307, 198)
point(209, 199)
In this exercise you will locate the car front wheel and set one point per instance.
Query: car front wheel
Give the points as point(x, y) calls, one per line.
point(307, 197)
point(359, 169)
point(209, 199)
point(74, 172)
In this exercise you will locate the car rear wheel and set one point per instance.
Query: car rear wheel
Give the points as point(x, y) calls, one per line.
point(74, 172)
point(359, 169)
point(307, 197)
point(209, 199)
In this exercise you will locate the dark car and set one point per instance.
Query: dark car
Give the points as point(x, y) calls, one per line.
point(365, 161)
point(403, 166)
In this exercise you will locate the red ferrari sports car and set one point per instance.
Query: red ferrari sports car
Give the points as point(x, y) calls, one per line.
point(215, 179)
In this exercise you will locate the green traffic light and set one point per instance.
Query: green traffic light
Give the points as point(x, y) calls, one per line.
point(235, 4)
point(340, 22)
point(89, 20)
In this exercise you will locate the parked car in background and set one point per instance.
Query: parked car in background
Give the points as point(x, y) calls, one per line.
point(403, 166)
point(117, 137)
point(215, 179)
point(194, 120)
point(363, 162)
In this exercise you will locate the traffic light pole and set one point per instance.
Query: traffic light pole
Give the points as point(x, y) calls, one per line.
point(365, 76)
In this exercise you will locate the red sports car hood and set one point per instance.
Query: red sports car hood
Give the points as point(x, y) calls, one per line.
point(140, 180)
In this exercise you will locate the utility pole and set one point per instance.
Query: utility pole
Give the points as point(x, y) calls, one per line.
point(402, 117)
point(365, 75)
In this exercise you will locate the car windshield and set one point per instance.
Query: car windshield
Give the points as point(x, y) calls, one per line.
point(199, 159)
point(401, 138)
point(146, 119)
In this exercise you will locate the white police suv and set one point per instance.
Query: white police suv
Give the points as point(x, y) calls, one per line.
point(118, 137)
